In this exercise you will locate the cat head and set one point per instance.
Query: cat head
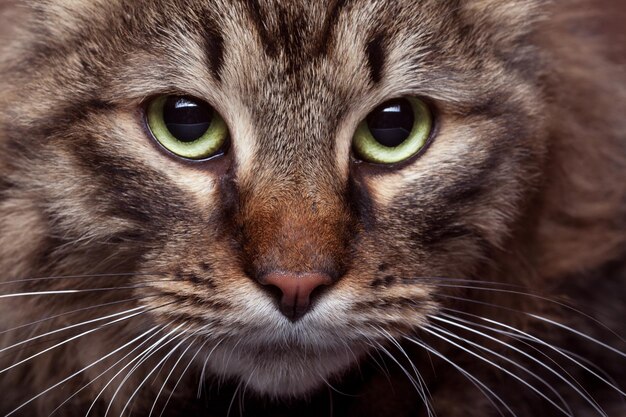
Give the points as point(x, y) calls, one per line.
point(289, 248)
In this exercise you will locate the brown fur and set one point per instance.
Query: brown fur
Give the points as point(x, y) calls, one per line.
point(521, 190)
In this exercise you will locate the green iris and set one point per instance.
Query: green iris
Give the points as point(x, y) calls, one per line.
point(187, 127)
point(394, 131)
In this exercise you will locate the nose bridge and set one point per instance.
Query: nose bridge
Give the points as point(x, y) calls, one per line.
point(296, 123)
point(293, 210)
point(295, 224)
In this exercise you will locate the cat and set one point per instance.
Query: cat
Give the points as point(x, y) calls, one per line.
point(346, 207)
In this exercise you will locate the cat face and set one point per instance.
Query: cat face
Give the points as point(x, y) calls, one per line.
point(202, 242)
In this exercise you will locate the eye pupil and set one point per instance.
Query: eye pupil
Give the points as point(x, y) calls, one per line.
point(391, 123)
point(187, 119)
point(394, 131)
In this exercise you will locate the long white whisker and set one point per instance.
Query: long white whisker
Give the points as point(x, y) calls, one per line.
point(435, 329)
point(329, 385)
point(167, 378)
point(370, 342)
point(141, 358)
point(203, 372)
point(93, 380)
point(232, 351)
point(588, 362)
point(245, 388)
point(570, 308)
point(170, 353)
point(181, 377)
point(380, 366)
point(80, 310)
point(37, 293)
point(73, 326)
point(486, 391)
point(423, 390)
point(88, 276)
point(232, 401)
point(597, 368)
point(71, 339)
point(546, 344)
point(579, 333)
point(136, 358)
point(77, 291)
point(79, 372)
point(583, 393)
point(415, 384)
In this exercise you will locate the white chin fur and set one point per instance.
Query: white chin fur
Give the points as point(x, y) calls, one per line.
point(284, 374)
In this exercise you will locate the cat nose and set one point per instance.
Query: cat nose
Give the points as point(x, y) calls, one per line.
point(296, 290)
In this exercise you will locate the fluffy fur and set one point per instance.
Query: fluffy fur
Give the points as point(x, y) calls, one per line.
point(517, 209)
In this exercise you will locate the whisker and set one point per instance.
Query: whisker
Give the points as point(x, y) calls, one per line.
point(142, 361)
point(579, 333)
point(484, 389)
point(349, 349)
point(376, 348)
point(232, 401)
point(423, 390)
point(85, 276)
point(245, 389)
point(421, 280)
point(436, 331)
point(60, 292)
point(410, 377)
point(380, 366)
point(93, 380)
point(588, 362)
point(169, 375)
point(584, 394)
point(597, 368)
point(556, 349)
point(617, 351)
point(73, 326)
point(181, 377)
point(232, 351)
point(203, 372)
point(80, 291)
point(136, 358)
point(80, 310)
point(531, 295)
point(527, 341)
point(73, 338)
point(329, 386)
point(79, 372)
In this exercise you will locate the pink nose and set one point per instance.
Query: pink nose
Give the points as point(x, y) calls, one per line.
point(296, 289)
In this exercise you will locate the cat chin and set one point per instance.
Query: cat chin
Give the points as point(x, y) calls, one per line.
point(282, 374)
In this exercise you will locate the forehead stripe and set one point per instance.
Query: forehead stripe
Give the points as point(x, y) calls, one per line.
point(375, 54)
point(258, 19)
point(214, 46)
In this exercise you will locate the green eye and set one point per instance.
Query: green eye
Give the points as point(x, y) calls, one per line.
point(395, 131)
point(187, 127)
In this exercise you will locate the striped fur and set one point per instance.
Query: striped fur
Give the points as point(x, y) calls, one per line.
point(522, 184)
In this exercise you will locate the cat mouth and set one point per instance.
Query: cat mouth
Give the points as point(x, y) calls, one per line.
point(283, 371)
point(289, 359)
